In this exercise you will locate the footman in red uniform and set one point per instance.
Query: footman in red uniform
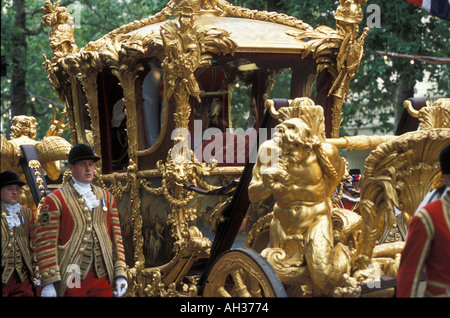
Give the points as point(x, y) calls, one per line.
point(427, 246)
point(79, 242)
point(17, 239)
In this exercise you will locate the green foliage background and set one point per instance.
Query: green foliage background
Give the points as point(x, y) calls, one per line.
point(404, 29)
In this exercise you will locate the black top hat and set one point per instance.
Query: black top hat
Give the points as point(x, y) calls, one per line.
point(82, 152)
point(10, 177)
point(444, 159)
point(355, 174)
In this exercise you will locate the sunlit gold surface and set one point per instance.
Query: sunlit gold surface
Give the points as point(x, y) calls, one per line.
point(61, 23)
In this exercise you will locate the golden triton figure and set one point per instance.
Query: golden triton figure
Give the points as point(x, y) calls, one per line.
point(302, 176)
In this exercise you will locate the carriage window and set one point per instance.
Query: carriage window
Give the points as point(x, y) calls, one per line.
point(282, 85)
point(152, 104)
point(241, 105)
point(114, 139)
point(228, 107)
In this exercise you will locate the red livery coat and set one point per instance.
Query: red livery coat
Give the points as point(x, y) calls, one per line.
point(63, 226)
point(427, 248)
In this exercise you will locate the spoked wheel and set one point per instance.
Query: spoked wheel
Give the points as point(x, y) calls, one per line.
point(242, 272)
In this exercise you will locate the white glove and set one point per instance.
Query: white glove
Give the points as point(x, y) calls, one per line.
point(121, 286)
point(49, 291)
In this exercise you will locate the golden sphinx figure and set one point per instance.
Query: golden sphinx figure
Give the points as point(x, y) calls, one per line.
point(50, 150)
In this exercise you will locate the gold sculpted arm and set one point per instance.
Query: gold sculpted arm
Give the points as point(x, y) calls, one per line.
point(258, 190)
point(332, 164)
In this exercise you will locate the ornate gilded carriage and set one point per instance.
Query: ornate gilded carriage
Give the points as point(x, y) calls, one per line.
point(150, 95)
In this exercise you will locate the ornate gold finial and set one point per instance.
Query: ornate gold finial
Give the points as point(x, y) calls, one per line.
point(57, 127)
point(61, 23)
point(344, 39)
point(350, 11)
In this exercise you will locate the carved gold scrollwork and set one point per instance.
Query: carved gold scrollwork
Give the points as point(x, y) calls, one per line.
point(57, 127)
point(436, 116)
point(189, 244)
point(175, 173)
point(116, 187)
point(188, 47)
point(397, 173)
point(260, 15)
point(138, 239)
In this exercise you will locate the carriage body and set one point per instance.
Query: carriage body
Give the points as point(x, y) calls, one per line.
point(176, 105)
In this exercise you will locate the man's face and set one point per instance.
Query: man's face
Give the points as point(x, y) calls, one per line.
point(11, 193)
point(83, 170)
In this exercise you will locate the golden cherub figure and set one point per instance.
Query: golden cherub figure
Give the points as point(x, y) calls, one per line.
point(50, 150)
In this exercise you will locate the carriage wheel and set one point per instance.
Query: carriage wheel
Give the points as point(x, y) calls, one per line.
point(242, 272)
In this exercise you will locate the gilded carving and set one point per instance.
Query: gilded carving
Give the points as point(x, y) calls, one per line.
point(324, 42)
point(302, 179)
point(61, 23)
point(276, 17)
point(170, 279)
point(437, 116)
point(175, 172)
point(135, 199)
point(35, 164)
point(398, 174)
point(314, 249)
point(50, 150)
point(122, 55)
point(188, 47)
